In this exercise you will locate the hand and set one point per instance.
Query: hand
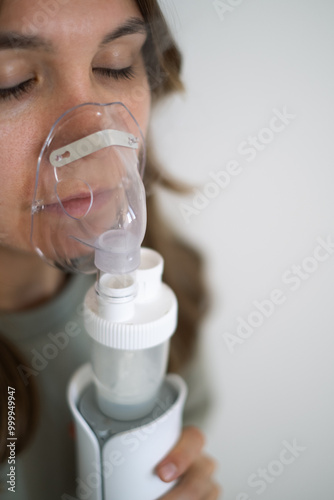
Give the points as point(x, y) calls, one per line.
point(195, 469)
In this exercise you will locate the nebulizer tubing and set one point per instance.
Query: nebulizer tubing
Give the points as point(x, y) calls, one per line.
point(89, 193)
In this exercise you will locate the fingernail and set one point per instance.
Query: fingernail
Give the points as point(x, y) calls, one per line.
point(168, 472)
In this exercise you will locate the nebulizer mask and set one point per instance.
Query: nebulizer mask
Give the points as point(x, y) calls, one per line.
point(89, 200)
point(89, 214)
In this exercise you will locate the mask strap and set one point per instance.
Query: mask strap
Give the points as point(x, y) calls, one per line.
point(90, 144)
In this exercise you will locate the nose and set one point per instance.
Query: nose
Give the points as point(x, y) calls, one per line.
point(73, 91)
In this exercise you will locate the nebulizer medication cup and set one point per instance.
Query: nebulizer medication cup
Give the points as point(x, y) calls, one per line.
point(129, 357)
point(127, 382)
point(88, 215)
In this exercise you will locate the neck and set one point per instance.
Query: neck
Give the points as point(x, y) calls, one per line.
point(26, 281)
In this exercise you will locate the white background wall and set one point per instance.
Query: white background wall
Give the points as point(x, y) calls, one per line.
point(276, 386)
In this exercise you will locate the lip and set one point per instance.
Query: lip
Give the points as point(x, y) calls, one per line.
point(79, 205)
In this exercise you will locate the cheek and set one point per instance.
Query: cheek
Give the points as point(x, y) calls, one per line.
point(19, 149)
point(137, 99)
point(145, 114)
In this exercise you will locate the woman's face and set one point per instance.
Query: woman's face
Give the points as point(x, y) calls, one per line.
point(56, 54)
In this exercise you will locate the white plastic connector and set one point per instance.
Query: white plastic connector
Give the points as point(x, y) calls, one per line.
point(115, 296)
point(149, 275)
point(154, 317)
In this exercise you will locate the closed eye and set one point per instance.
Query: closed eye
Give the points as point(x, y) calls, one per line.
point(17, 91)
point(117, 74)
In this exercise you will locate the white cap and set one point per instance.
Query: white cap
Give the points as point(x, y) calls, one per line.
point(154, 316)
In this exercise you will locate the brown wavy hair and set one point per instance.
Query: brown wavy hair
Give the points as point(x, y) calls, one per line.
point(183, 266)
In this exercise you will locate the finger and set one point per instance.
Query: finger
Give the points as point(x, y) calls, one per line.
point(197, 483)
point(185, 453)
point(215, 493)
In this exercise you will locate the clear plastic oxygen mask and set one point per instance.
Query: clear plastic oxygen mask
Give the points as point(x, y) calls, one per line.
point(88, 213)
point(89, 208)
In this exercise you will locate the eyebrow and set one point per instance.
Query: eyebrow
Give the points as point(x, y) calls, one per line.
point(15, 40)
point(132, 26)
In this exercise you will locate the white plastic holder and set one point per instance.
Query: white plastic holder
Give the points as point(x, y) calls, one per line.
point(127, 413)
point(121, 467)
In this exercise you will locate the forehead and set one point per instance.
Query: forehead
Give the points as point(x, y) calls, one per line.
point(32, 16)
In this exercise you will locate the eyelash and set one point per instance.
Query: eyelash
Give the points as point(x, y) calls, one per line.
point(24, 87)
point(17, 91)
point(117, 74)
